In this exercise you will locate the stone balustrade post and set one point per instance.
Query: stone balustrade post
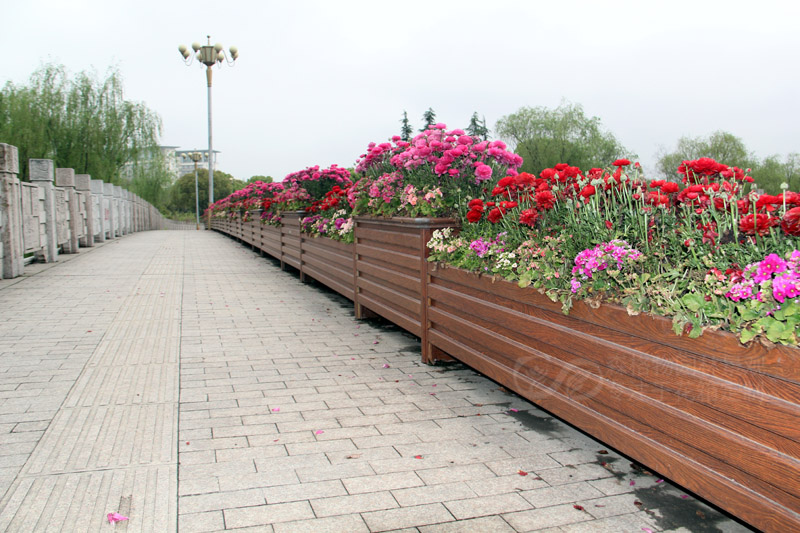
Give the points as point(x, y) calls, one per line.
point(108, 198)
point(116, 192)
point(12, 257)
point(128, 217)
point(65, 179)
point(97, 194)
point(42, 174)
point(83, 185)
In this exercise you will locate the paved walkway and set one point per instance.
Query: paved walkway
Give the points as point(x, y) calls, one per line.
point(181, 380)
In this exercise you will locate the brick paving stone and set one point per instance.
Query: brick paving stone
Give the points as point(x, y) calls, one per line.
point(185, 381)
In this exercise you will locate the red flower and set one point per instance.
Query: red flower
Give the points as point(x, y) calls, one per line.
point(609, 225)
point(791, 222)
point(759, 223)
point(495, 215)
point(588, 191)
point(528, 217)
point(476, 205)
point(545, 199)
point(561, 166)
point(669, 187)
point(524, 180)
point(474, 215)
point(621, 163)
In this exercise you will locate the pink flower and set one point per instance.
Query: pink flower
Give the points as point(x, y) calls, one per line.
point(483, 172)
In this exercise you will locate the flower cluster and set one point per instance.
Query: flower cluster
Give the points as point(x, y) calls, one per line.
point(437, 167)
point(615, 255)
point(773, 273)
point(337, 226)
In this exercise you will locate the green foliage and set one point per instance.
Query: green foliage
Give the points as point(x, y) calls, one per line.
point(82, 122)
point(477, 127)
point(768, 173)
point(150, 178)
point(253, 179)
point(546, 137)
point(771, 172)
point(720, 146)
point(428, 119)
point(406, 130)
point(181, 194)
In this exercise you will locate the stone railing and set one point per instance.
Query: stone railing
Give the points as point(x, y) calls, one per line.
point(59, 211)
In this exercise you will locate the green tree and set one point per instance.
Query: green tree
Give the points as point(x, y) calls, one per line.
point(181, 194)
point(406, 130)
point(770, 173)
point(428, 118)
point(721, 146)
point(82, 122)
point(477, 127)
point(546, 137)
point(253, 179)
point(150, 178)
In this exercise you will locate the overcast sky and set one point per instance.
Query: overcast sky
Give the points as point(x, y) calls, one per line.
point(316, 81)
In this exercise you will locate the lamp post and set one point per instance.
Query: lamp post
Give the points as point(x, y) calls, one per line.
point(195, 157)
point(209, 55)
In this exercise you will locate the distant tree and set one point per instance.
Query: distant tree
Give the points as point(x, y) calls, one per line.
point(181, 194)
point(429, 119)
point(771, 172)
point(477, 127)
point(253, 179)
point(150, 178)
point(721, 146)
point(406, 130)
point(546, 137)
point(82, 122)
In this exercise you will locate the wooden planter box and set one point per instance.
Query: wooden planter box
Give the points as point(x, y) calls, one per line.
point(330, 262)
point(391, 259)
point(720, 419)
point(290, 239)
point(269, 240)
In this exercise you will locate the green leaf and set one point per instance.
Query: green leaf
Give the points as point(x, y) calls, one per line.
point(693, 301)
point(746, 335)
point(775, 330)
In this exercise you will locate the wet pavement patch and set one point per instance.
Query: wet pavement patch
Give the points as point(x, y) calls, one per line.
point(672, 511)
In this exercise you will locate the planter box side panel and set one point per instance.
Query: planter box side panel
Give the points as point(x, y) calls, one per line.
point(389, 275)
point(728, 437)
point(330, 263)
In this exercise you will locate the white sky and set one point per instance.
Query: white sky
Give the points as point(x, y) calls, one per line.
point(316, 81)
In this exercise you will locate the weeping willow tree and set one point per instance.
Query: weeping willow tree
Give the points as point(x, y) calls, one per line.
point(83, 123)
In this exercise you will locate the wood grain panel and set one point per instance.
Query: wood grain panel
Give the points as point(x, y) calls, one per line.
point(735, 445)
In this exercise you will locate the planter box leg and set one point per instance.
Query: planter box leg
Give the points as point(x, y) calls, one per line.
point(432, 355)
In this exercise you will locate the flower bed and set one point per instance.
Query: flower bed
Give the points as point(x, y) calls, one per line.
point(719, 418)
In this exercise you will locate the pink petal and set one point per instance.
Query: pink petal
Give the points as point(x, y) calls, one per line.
point(632, 483)
point(115, 517)
point(514, 410)
point(659, 481)
point(318, 432)
point(385, 365)
point(647, 530)
point(375, 342)
point(276, 409)
point(684, 496)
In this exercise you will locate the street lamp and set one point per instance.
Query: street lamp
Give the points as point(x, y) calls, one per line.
point(195, 157)
point(209, 55)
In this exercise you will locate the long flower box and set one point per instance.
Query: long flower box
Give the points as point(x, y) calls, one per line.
point(330, 262)
point(268, 240)
point(391, 258)
point(290, 239)
point(720, 419)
